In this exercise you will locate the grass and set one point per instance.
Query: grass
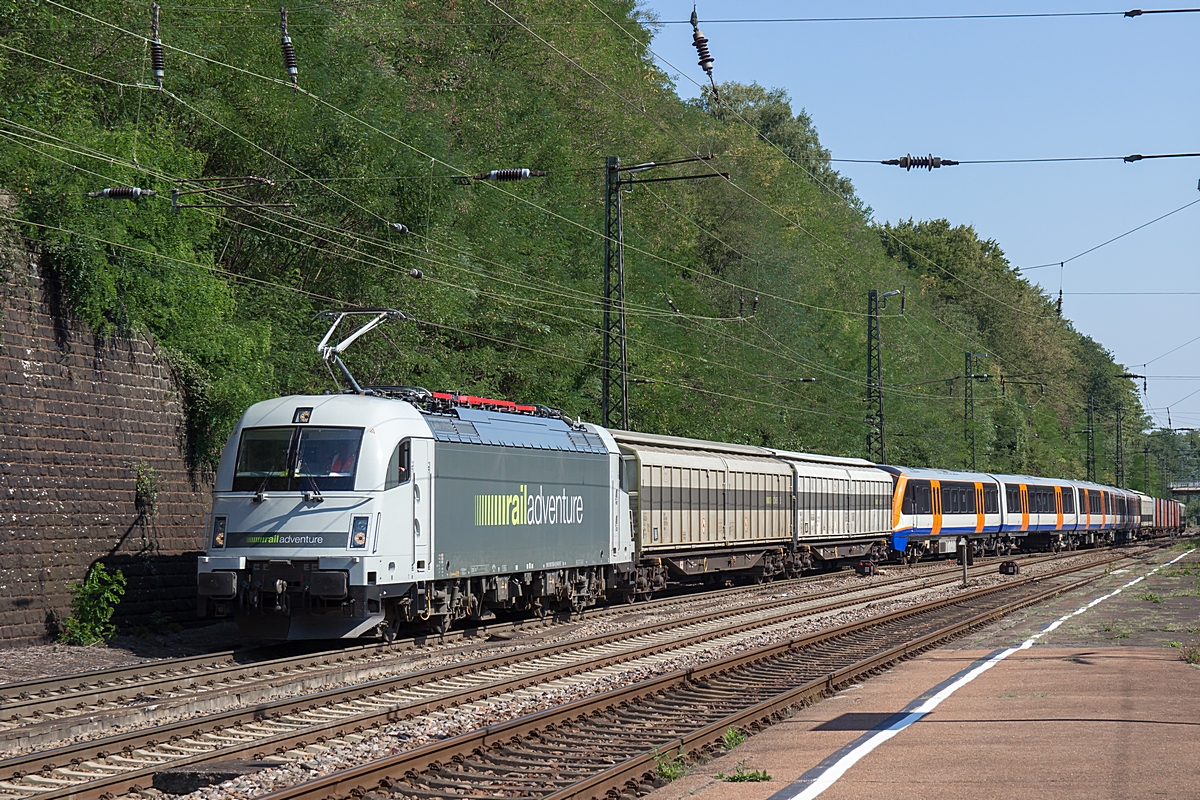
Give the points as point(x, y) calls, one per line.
point(731, 738)
point(1150, 597)
point(741, 776)
point(1191, 654)
point(669, 767)
point(1174, 644)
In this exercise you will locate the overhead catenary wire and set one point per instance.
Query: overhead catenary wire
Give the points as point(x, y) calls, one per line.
point(1110, 241)
point(351, 116)
point(926, 162)
point(365, 258)
point(1128, 14)
point(742, 119)
point(334, 107)
point(499, 296)
point(497, 187)
point(342, 303)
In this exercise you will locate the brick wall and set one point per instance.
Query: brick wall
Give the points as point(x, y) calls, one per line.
point(78, 416)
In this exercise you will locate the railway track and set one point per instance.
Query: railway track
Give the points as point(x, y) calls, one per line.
point(216, 681)
point(608, 745)
point(284, 729)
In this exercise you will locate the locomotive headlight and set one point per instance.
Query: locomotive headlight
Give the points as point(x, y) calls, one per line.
point(358, 532)
point(218, 533)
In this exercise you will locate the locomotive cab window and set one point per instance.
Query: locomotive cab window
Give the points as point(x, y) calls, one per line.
point(285, 459)
point(263, 460)
point(400, 466)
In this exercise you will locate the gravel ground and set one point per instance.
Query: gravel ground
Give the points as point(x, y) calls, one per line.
point(433, 656)
point(56, 660)
point(62, 660)
point(343, 753)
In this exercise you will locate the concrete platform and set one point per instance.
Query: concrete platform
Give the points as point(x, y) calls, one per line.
point(1102, 707)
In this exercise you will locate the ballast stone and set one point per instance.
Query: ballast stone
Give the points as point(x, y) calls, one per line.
point(190, 778)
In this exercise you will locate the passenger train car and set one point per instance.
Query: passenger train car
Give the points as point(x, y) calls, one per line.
point(1001, 513)
point(358, 513)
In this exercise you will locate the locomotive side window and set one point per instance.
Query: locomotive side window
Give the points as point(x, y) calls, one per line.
point(400, 466)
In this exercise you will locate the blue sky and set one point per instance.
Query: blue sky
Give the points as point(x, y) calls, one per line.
point(997, 89)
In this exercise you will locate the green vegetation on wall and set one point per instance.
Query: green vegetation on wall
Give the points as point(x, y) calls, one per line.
point(769, 271)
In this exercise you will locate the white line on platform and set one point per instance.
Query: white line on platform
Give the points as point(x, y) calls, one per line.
point(828, 776)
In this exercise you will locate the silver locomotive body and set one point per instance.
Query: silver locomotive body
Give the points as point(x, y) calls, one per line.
point(338, 516)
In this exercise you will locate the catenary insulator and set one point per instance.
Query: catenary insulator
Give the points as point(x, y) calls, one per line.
point(399, 227)
point(157, 62)
point(929, 162)
point(701, 44)
point(416, 273)
point(509, 175)
point(289, 52)
point(122, 193)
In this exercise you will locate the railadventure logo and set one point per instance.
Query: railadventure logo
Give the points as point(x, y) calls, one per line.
point(524, 508)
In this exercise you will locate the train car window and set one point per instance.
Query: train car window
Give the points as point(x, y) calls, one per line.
point(922, 498)
point(906, 504)
point(263, 460)
point(1012, 497)
point(949, 499)
point(1068, 496)
point(968, 498)
point(327, 459)
point(399, 467)
point(991, 500)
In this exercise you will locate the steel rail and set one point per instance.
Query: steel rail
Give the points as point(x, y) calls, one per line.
point(358, 780)
point(93, 691)
point(192, 730)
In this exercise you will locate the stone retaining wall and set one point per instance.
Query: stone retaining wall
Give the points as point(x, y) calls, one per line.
point(80, 417)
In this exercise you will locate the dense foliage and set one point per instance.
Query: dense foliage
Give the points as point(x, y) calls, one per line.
point(768, 271)
point(93, 601)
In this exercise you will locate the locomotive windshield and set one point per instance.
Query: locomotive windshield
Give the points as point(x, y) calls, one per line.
point(297, 459)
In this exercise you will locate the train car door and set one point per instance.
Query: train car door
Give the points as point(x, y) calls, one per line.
point(422, 508)
point(917, 507)
point(393, 534)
